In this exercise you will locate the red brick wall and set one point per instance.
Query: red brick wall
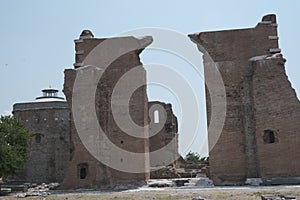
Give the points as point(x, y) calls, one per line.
point(276, 108)
point(239, 153)
point(99, 175)
point(163, 137)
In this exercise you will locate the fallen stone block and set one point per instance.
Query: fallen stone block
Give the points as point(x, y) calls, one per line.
point(204, 182)
point(180, 182)
point(53, 186)
point(21, 195)
point(16, 188)
point(254, 181)
point(277, 198)
point(198, 198)
point(32, 194)
point(161, 183)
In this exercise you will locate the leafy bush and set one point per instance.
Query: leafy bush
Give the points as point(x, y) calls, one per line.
point(14, 140)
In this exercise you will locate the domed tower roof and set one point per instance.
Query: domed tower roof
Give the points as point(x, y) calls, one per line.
point(49, 94)
point(49, 100)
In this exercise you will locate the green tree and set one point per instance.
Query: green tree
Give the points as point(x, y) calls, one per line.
point(14, 140)
point(196, 158)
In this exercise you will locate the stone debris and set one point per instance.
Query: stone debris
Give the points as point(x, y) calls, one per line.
point(38, 190)
point(204, 182)
point(24, 195)
point(4, 191)
point(181, 182)
point(277, 198)
point(161, 183)
point(198, 198)
point(254, 181)
point(164, 173)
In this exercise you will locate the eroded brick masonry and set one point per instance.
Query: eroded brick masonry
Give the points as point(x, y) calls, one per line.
point(260, 138)
point(84, 169)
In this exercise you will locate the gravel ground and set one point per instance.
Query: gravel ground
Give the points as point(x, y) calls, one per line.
point(186, 193)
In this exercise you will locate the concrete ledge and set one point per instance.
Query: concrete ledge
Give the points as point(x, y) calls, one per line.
point(80, 52)
point(273, 37)
point(265, 22)
point(275, 50)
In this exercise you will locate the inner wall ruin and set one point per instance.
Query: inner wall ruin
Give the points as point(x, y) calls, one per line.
point(163, 128)
point(260, 138)
point(84, 169)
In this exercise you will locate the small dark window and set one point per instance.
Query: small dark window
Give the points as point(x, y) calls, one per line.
point(82, 170)
point(38, 138)
point(82, 173)
point(270, 137)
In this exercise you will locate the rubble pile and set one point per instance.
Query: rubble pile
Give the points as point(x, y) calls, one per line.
point(164, 172)
point(277, 198)
point(38, 190)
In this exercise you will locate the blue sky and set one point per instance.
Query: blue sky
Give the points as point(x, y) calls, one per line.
point(37, 36)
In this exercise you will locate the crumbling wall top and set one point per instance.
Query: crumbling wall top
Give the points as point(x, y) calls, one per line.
point(114, 47)
point(86, 34)
point(269, 18)
point(226, 45)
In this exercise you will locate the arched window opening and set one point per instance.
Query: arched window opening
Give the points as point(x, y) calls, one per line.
point(156, 117)
point(270, 137)
point(38, 139)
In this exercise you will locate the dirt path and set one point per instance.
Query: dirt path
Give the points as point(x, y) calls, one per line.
point(216, 193)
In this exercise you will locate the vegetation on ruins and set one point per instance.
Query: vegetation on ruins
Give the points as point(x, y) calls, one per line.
point(196, 158)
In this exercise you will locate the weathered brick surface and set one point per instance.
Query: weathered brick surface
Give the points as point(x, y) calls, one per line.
point(48, 159)
point(162, 137)
point(276, 108)
point(259, 97)
point(99, 175)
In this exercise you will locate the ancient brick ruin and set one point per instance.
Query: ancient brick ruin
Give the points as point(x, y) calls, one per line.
point(260, 138)
point(57, 153)
point(48, 120)
point(163, 136)
point(84, 169)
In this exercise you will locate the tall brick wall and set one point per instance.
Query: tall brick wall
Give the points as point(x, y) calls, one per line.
point(239, 152)
point(163, 137)
point(276, 109)
point(98, 174)
point(48, 159)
